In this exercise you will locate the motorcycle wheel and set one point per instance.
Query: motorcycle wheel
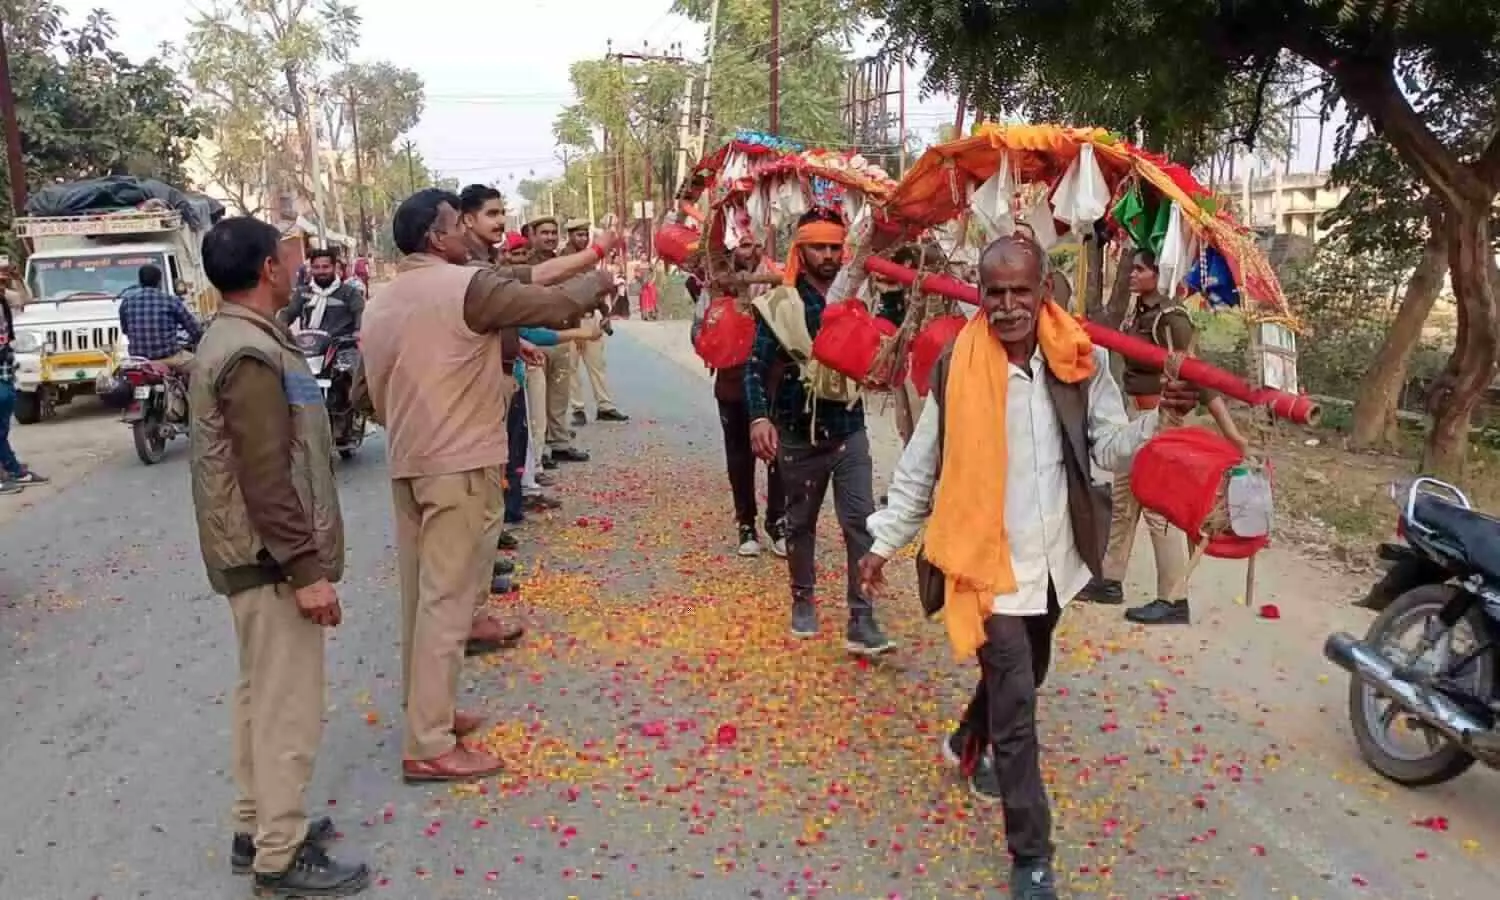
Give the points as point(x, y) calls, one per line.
point(150, 444)
point(356, 436)
point(1443, 760)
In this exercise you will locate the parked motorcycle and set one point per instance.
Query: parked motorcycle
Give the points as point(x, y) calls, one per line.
point(157, 407)
point(1424, 702)
point(333, 361)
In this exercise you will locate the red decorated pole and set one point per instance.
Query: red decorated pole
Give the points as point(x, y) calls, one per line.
point(1292, 407)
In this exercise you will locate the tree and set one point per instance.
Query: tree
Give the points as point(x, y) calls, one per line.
point(85, 109)
point(387, 101)
point(1183, 56)
point(268, 55)
point(815, 41)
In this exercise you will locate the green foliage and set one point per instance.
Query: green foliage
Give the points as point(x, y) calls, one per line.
point(85, 109)
point(816, 36)
point(1346, 300)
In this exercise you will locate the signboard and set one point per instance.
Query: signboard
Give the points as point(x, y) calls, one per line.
point(127, 223)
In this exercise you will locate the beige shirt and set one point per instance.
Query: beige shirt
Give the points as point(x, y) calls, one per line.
point(434, 366)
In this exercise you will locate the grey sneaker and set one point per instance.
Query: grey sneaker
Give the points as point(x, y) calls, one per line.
point(804, 619)
point(1032, 881)
point(9, 487)
point(749, 544)
point(864, 637)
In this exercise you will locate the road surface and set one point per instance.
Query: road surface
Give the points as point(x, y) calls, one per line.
point(665, 736)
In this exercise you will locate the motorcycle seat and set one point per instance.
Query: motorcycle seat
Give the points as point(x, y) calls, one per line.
point(1472, 533)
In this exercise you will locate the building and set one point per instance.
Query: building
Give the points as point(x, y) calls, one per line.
point(1284, 204)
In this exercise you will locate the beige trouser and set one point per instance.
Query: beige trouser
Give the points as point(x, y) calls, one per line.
point(536, 421)
point(277, 721)
point(445, 545)
point(1169, 544)
point(560, 363)
point(591, 355)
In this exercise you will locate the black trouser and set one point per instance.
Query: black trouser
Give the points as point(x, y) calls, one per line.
point(517, 433)
point(1013, 663)
point(734, 416)
point(806, 472)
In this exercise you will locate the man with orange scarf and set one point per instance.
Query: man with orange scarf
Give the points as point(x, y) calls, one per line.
point(811, 423)
point(998, 469)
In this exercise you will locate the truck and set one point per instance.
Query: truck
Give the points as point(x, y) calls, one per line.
point(86, 242)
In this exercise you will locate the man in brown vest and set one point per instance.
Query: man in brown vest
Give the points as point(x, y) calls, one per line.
point(437, 380)
point(998, 471)
point(273, 543)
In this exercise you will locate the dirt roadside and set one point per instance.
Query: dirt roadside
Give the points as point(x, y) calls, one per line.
point(65, 449)
point(1261, 658)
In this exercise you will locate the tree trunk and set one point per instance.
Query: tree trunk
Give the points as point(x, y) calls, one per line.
point(1119, 292)
point(1471, 368)
point(1376, 402)
point(1093, 286)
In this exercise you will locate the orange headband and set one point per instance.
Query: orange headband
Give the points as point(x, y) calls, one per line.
point(819, 233)
point(812, 233)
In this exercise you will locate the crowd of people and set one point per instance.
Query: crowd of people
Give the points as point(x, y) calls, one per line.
point(474, 360)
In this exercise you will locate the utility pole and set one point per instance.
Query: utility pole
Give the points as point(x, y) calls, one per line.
point(411, 167)
point(13, 160)
point(684, 134)
point(775, 67)
point(901, 114)
point(314, 168)
point(672, 57)
point(588, 174)
point(359, 177)
point(708, 80)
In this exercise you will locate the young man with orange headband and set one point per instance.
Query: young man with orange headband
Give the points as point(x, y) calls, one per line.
point(810, 421)
point(998, 470)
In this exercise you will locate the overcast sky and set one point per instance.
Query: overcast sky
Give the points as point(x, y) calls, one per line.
point(497, 70)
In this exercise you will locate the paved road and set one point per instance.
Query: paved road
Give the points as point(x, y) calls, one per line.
point(665, 737)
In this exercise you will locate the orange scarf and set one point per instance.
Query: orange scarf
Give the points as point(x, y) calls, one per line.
point(966, 535)
point(811, 233)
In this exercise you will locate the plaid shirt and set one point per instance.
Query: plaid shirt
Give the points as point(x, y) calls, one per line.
point(790, 411)
point(150, 318)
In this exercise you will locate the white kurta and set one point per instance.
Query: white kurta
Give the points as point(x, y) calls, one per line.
point(1037, 525)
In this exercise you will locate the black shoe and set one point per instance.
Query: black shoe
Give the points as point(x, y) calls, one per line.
point(570, 454)
point(984, 784)
point(313, 874)
point(501, 584)
point(1161, 612)
point(549, 463)
point(1103, 591)
point(1032, 881)
point(504, 567)
point(507, 542)
point(611, 415)
point(580, 417)
point(242, 848)
point(541, 503)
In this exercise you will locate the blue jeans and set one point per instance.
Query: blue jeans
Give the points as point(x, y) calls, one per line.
point(516, 435)
point(9, 465)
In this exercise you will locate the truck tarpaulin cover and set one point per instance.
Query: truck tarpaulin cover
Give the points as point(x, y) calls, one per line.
point(119, 192)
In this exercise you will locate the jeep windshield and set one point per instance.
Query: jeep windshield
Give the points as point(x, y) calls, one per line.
point(59, 279)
